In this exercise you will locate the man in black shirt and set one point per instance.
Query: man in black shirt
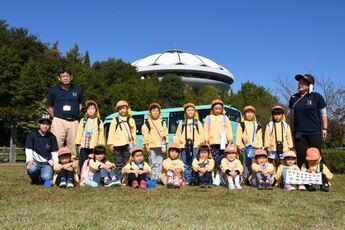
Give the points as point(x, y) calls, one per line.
point(310, 117)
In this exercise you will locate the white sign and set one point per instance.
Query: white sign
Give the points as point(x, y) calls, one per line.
point(298, 177)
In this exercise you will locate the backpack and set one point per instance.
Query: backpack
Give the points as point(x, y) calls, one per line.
point(320, 164)
point(118, 123)
point(243, 126)
point(209, 120)
point(184, 124)
point(285, 127)
point(147, 123)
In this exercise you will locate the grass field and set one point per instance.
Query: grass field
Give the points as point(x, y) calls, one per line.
point(27, 206)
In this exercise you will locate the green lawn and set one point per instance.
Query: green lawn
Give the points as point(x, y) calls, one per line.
point(27, 206)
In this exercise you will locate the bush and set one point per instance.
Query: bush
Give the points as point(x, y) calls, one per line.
point(334, 160)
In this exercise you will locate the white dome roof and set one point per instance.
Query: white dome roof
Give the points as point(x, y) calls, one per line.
point(177, 61)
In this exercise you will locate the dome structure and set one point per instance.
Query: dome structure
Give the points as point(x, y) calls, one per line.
point(195, 70)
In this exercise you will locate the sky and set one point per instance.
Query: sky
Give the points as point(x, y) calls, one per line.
point(256, 41)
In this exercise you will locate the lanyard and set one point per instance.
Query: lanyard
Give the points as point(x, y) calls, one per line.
point(159, 133)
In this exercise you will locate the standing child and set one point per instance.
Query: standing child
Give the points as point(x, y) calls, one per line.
point(203, 166)
point(288, 164)
point(155, 139)
point(248, 138)
point(173, 168)
point(262, 171)
point(121, 138)
point(278, 138)
point(136, 169)
point(218, 133)
point(66, 170)
point(103, 170)
point(315, 165)
point(189, 134)
point(232, 168)
point(90, 132)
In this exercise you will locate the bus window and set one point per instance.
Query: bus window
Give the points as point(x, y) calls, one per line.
point(174, 119)
point(203, 114)
point(233, 115)
point(139, 121)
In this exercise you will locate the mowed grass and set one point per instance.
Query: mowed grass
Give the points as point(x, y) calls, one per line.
point(27, 206)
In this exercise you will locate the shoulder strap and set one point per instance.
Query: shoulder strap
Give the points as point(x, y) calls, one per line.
point(117, 124)
point(321, 166)
point(84, 121)
point(196, 125)
point(147, 123)
point(243, 126)
point(270, 127)
point(184, 124)
point(259, 127)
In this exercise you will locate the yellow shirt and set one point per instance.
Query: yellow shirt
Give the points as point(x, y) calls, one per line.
point(153, 138)
point(248, 135)
point(97, 133)
point(198, 133)
point(270, 140)
point(234, 165)
point(169, 164)
point(268, 166)
point(215, 126)
point(123, 133)
point(208, 163)
point(133, 166)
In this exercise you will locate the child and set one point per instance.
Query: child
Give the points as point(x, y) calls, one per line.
point(189, 134)
point(232, 168)
point(90, 132)
point(218, 133)
point(203, 166)
point(155, 138)
point(122, 134)
point(66, 170)
point(136, 169)
point(86, 175)
point(278, 138)
point(288, 164)
point(102, 169)
point(262, 171)
point(315, 165)
point(172, 168)
point(248, 138)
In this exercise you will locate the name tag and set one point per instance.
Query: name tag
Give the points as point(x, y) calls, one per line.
point(66, 108)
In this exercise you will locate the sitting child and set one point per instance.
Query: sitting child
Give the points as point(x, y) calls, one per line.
point(231, 168)
point(136, 170)
point(262, 171)
point(173, 168)
point(289, 163)
point(102, 169)
point(86, 175)
point(315, 165)
point(203, 166)
point(66, 170)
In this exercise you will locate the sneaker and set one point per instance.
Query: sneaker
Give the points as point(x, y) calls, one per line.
point(209, 186)
point(312, 188)
point(261, 185)
point(302, 187)
point(268, 185)
point(289, 187)
point(62, 182)
point(117, 181)
point(203, 186)
point(177, 184)
point(170, 182)
point(70, 185)
point(135, 184)
point(325, 188)
point(110, 183)
point(238, 186)
point(143, 184)
point(231, 186)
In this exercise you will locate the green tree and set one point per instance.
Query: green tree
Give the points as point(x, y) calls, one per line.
point(171, 91)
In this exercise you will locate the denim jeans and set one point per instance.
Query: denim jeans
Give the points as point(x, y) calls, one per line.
point(40, 172)
point(121, 158)
point(155, 161)
point(99, 176)
point(187, 160)
point(204, 179)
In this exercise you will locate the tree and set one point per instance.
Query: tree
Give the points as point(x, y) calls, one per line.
point(171, 91)
point(86, 61)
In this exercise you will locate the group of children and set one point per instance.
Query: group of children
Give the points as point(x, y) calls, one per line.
point(203, 155)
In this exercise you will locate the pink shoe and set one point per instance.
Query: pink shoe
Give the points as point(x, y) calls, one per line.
point(143, 184)
point(289, 187)
point(302, 187)
point(135, 184)
point(177, 184)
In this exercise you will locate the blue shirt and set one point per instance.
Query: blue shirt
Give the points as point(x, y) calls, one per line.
point(41, 145)
point(307, 116)
point(59, 97)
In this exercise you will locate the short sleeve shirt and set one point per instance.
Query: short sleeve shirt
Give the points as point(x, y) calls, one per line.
point(307, 116)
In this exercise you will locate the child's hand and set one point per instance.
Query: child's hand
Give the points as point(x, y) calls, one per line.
point(201, 173)
point(29, 164)
point(233, 173)
point(70, 169)
point(264, 171)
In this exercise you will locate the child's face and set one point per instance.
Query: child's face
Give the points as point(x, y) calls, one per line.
point(91, 111)
point(123, 111)
point(217, 109)
point(231, 156)
point(138, 157)
point(203, 154)
point(312, 163)
point(65, 158)
point(249, 115)
point(277, 117)
point(190, 112)
point(261, 159)
point(289, 161)
point(155, 113)
point(44, 126)
point(173, 154)
point(99, 157)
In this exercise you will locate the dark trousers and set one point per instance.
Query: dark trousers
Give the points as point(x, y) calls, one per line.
point(132, 177)
point(121, 158)
point(217, 155)
point(303, 142)
point(84, 154)
point(67, 175)
point(204, 179)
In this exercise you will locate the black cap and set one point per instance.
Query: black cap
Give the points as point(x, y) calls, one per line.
point(45, 117)
point(307, 77)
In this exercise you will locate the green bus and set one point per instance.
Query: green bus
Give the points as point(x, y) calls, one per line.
point(172, 117)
